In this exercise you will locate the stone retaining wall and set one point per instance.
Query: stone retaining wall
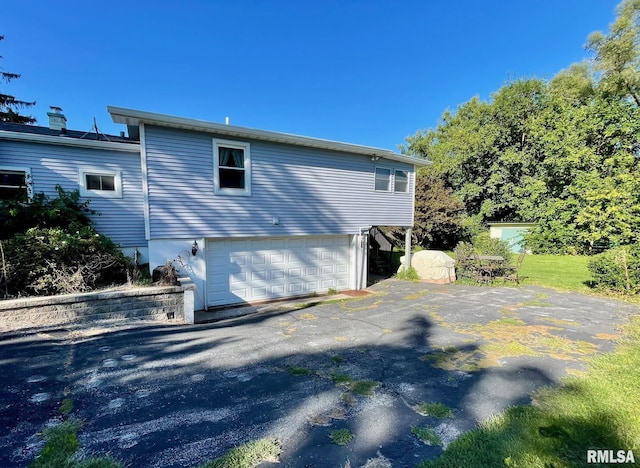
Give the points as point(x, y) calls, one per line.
point(154, 303)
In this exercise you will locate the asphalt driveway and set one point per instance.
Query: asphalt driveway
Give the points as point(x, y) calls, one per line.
point(173, 395)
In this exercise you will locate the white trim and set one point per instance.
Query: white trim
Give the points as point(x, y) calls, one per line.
point(27, 176)
point(69, 141)
point(375, 179)
point(145, 182)
point(136, 117)
point(246, 148)
point(83, 171)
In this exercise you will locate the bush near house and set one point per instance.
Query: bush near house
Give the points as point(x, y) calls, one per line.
point(48, 246)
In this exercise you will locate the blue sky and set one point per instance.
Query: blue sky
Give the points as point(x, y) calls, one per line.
point(370, 72)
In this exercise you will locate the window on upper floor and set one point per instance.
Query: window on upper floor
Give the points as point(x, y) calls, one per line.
point(15, 183)
point(383, 179)
point(231, 168)
point(400, 181)
point(100, 182)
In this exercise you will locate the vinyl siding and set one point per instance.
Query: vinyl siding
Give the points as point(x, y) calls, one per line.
point(121, 219)
point(310, 191)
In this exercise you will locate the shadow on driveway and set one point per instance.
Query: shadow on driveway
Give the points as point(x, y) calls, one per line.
point(167, 395)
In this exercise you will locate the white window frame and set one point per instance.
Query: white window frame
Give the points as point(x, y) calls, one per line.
point(246, 148)
point(27, 176)
point(99, 171)
point(395, 171)
point(375, 178)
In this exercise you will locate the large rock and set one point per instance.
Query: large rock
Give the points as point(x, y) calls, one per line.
point(433, 266)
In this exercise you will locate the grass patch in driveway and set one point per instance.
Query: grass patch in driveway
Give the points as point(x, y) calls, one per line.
point(504, 338)
point(248, 455)
point(436, 410)
point(426, 435)
point(363, 387)
point(61, 444)
point(341, 436)
point(596, 410)
point(297, 371)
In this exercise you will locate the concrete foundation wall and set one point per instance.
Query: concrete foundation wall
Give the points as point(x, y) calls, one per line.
point(154, 303)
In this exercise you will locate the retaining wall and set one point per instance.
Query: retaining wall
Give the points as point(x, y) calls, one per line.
point(155, 303)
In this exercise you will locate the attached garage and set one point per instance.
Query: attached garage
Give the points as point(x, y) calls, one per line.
point(259, 269)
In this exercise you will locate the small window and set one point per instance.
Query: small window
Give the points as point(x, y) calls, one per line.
point(401, 181)
point(100, 182)
point(383, 179)
point(232, 168)
point(14, 183)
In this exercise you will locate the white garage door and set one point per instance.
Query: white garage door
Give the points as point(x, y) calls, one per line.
point(256, 269)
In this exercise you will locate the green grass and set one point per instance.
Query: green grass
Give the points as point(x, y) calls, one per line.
point(61, 444)
point(341, 436)
point(564, 272)
point(66, 407)
point(298, 371)
point(363, 387)
point(408, 274)
point(437, 410)
point(248, 455)
point(597, 410)
point(341, 378)
point(426, 435)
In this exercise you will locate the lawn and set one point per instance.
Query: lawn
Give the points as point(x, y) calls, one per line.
point(564, 272)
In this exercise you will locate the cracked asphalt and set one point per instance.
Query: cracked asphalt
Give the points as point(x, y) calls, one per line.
point(170, 395)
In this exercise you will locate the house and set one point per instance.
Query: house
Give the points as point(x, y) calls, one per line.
point(249, 215)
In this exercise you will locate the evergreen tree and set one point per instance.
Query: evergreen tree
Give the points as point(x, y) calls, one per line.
point(9, 105)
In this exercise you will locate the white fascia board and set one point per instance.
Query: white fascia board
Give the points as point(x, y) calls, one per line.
point(134, 117)
point(69, 141)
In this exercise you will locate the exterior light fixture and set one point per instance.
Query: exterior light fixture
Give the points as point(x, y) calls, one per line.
point(194, 248)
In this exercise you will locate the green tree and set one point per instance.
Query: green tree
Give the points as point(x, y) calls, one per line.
point(617, 54)
point(563, 153)
point(9, 105)
point(439, 215)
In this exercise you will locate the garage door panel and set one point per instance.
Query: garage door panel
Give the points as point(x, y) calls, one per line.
point(245, 270)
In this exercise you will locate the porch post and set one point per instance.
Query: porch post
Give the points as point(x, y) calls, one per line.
point(407, 248)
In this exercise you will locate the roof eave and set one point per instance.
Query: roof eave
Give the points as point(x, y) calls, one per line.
point(135, 117)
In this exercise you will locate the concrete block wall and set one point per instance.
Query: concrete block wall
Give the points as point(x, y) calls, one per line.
point(154, 303)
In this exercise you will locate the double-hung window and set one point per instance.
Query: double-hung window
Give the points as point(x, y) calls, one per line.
point(100, 182)
point(15, 183)
point(231, 168)
point(383, 179)
point(400, 181)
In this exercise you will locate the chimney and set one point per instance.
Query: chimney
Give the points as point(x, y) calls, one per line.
point(57, 120)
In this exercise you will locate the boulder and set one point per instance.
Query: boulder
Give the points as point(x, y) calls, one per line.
point(433, 266)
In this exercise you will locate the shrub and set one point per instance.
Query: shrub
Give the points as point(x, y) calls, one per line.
point(617, 269)
point(49, 247)
point(46, 261)
point(65, 211)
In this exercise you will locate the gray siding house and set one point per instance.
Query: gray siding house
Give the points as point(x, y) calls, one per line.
point(249, 215)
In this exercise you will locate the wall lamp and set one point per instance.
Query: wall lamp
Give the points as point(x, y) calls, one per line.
point(375, 158)
point(194, 248)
